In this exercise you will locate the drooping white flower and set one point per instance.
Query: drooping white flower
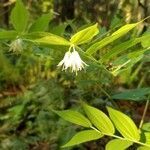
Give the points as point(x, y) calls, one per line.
point(77, 64)
point(16, 46)
point(65, 63)
point(73, 61)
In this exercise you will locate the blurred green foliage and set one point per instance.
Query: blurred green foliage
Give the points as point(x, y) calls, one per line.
point(31, 84)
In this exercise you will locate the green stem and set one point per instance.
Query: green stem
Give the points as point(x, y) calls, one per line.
point(144, 114)
point(97, 62)
point(141, 81)
point(93, 59)
point(121, 138)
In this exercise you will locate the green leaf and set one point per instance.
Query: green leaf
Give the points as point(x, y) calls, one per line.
point(58, 29)
point(143, 148)
point(133, 94)
point(16, 112)
point(36, 35)
point(120, 144)
point(74, 117)
point(8, 35)
point(99, 119)
point(52, 39)
point(19, 16)
point(83, 136)
point(120, 32)
point(41, 24)
point(147, 137)
point(84, 35)
point(124, 124)
point(145, 43)
point(146, 126)
point(127, 61)
point(119, 48)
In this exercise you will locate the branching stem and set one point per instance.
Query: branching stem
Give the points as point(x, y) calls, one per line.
point(121, 138)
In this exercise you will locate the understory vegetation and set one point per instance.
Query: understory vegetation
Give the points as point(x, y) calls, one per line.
point(74, 75)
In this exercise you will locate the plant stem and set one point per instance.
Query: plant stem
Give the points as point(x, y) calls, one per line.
point(121, 138)
point(93, 59)
point(144, 114)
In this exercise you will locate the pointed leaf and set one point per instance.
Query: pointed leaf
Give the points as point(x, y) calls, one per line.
point(37, 35)
point(120, 144)
point(127, 61)
point(84, 35)
point(74, 117)
point(83, 136)
point(124, 46)
point(41, 24)
point(120, 32)
point(99, 119)
point(19, 16)
point(119, 49)
point(52, 39)
point(133, 94)
point(59, 29)
point(124, 124)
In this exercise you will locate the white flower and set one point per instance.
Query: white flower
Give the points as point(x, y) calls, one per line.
point(66, 61)
point(16, 46)
point(73, 61)
point(76, 62)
